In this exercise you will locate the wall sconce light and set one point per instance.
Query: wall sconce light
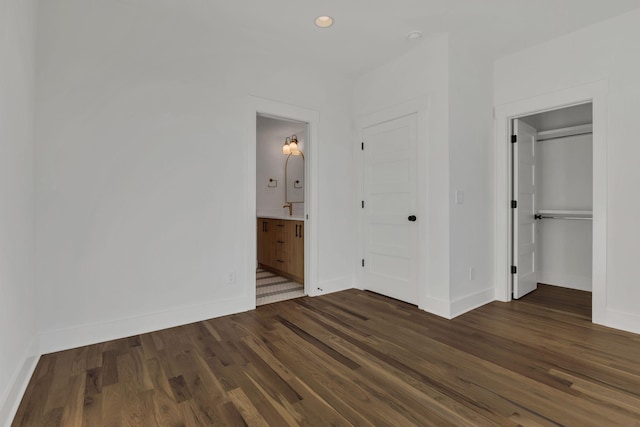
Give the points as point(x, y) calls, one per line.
point(286, 148)
point(290, 146)
point(294, 146)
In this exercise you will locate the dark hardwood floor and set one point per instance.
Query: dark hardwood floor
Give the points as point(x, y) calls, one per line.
point(563, 300)
point(352, 358)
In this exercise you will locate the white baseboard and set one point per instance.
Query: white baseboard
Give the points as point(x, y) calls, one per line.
point(436, 306)
point(571, 281)
point(620, 320)
point(333, 285)
point(76, 336)
point(12, 397)
point(471, 302)
point(451, 309)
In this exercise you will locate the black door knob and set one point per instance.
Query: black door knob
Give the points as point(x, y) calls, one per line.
point(412, 218)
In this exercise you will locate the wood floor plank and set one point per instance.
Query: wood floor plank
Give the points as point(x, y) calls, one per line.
point(245, 406)
point(58, 395)
point(72, 412)
point(92, 410)
point(352, 358)
point(112, 405)
point(166, 409)
point(336, 386)
point(409, 388)
point(31, 410)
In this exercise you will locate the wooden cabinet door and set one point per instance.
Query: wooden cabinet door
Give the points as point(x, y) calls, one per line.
point(297, 250)
point(281, 247)
point(264, 241)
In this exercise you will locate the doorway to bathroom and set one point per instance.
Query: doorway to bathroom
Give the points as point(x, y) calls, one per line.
point(280, 208)
point(303, 236)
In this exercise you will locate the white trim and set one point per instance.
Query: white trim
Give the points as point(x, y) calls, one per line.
point(597, 94)
point(452, 309)
point(18, 385)
point(335, 285)
point(254, 106)
point(436, 306)
point(622, 320)
point(471, 302)
point(77, 336)
point(561, 278)
point(419, 107)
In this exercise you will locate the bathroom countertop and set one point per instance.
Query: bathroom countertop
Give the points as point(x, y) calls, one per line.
point(285, 217)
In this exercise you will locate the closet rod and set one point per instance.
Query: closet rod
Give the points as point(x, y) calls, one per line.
point(584, 218)
point(564, 136)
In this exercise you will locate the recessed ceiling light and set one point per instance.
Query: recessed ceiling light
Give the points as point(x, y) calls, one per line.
point(324, 21)
point(414, 35)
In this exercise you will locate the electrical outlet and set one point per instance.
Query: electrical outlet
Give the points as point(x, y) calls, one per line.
point(472, 273)
point(231, 277)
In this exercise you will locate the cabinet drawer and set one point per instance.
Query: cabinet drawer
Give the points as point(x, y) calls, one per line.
point(281, 260)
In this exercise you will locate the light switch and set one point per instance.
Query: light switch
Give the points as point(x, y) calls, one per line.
point(459, 197)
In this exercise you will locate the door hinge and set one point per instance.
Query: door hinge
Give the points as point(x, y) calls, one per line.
point(362, 146)
point(514, 139)
point(363, 262)
point(363, 204)
point(514, 204)
point(514, 269)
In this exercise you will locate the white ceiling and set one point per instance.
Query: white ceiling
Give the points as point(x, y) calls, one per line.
point(367, 33)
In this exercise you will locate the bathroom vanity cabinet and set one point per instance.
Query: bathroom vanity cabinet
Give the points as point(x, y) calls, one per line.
point(281, 247)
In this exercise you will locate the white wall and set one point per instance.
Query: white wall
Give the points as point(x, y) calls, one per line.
point(270, 164)
point(564, 182)
point(421, 73)
point(603, 51)
point(17, 284)
point(457, 83)
point(141, 167)
point(471, 173)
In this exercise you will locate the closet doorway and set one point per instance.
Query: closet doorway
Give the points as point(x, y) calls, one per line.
point(552, 200)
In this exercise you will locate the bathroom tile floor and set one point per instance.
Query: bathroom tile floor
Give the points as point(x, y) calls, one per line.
point(273, 288)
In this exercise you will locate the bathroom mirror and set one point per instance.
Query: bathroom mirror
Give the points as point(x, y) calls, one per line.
point(294, 178)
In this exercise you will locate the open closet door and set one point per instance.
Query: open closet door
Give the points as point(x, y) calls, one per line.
point(524, 224)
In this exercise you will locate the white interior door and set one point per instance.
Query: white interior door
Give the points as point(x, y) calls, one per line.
point(390, 208)
point(524, 224)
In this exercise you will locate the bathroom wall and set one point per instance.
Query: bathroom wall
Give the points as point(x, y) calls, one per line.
point(270, 164)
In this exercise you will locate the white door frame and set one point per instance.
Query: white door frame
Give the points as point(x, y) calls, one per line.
point(419, 107)
point(597, 94)
point(255, 106)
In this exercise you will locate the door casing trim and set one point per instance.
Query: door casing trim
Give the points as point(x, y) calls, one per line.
point(596, 93)
point(254, 106)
